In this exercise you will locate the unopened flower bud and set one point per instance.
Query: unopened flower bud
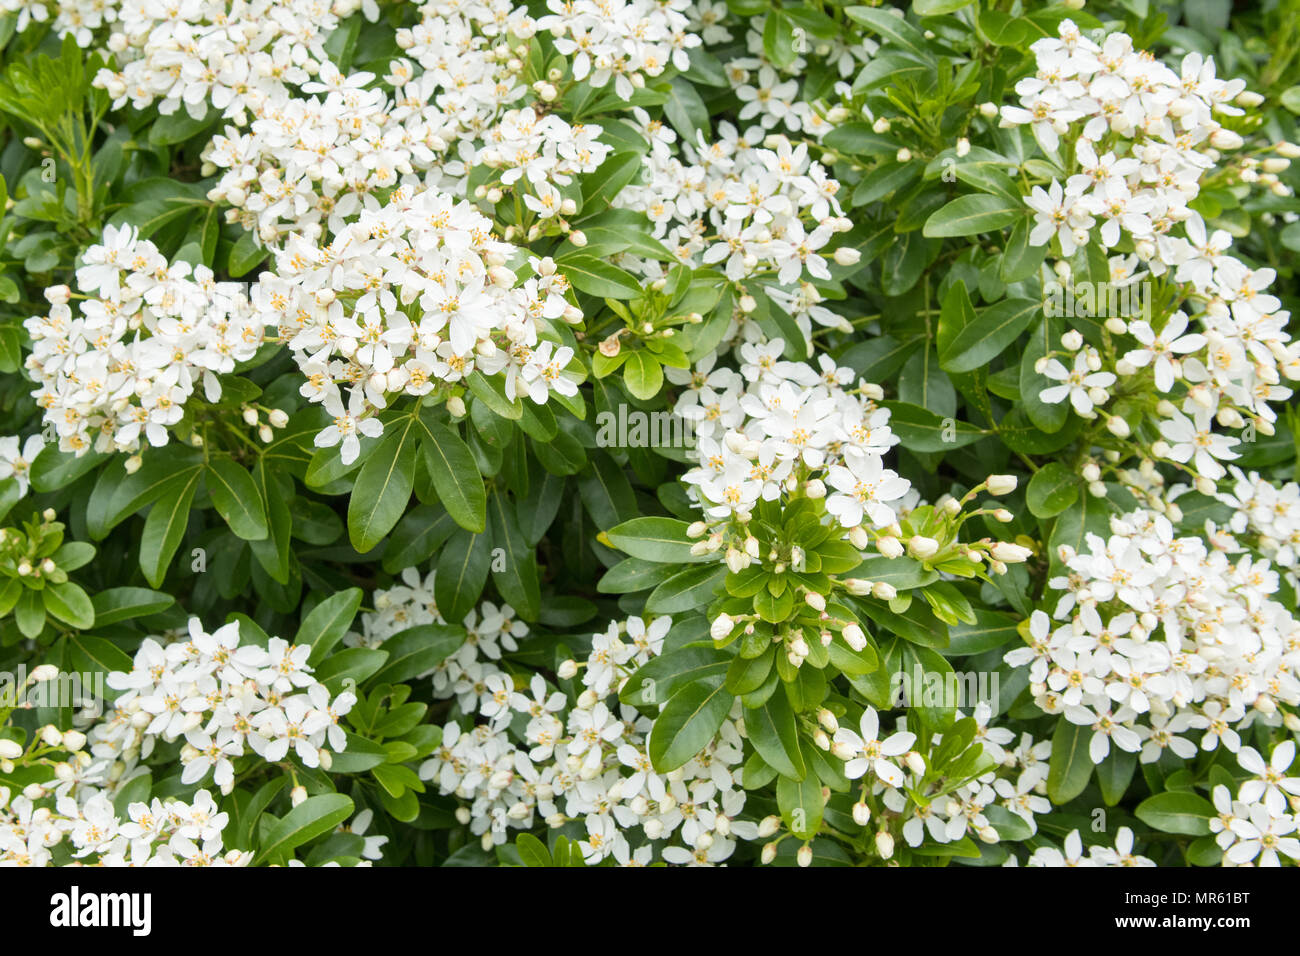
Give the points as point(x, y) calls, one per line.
point(1002, 484)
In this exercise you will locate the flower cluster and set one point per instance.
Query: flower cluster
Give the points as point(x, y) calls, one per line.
point(1268, 516)
point(620, 40)
point(413, 297)
point(1144, 139)
point(893, 773)
point(1256, 828)
point(201, 55)
point(753, 204)
point(308, 163)
point(225, 699)
point(117, 372)
point(775, 425)
point(519, 753)
point(158, 833)
point(1163, 637)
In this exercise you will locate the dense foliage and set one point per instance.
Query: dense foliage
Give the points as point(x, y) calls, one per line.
point(649, 431)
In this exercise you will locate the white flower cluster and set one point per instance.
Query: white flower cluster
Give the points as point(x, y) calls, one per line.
point(772, 96)
point(1071, 854)
point(1269, 516)
point(621, 40)
point(776, 425)
point(118, 372)
point(206, 53)
point(1144, 137)
point(81, 18)
point(892, 771)
point(171, 833)
point(414, 296)
point(308, 163)
point(1163, 636)
point(754, 204)
point(1256, 828)
point(530, 754)
point(225, 699)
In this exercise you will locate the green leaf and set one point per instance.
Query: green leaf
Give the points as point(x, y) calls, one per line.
point(600, 188)
point(937, 8)
point(70, 604)
point(643, 374)
point(122, 604)
point(455, 475)
point(1051, 490)
point(532, 851)
point(313, 817)
point(383, 486)
point(689, 588)
point(594, 277)
point(461, 573)
point(972, 215)
point(662, 540)
point(801, 805)
point(237, 498)
point(328, 621)
point(418, 650)
point(661, 677)
point(894, 28)
point(922, 430)
point(1070, 766)
point(165, 526)
point(987, 335)
point(687, 724)
point(1177, 811)
point(775, 735)
point(1114, 774)
point(516, 578)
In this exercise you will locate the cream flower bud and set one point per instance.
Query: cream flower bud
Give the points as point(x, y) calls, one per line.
point(10, 750)
point(919, 546)
point(51, 736)
point(74, 740)
point(857, 586)
point(805, 855)
point(915, 762)
point(854, 636)
point(827, 720)
point(1225, 139)
point(821, 740)
point(904, 155)
point(884, 591)
point(1091, 472)
point(1287, 150)
point(846, 256)
point(815, 601)
point(884, 844)
point(881, 125)
point(769, 853)
point(768, 826)
point(861, 814)
point(1072, 340)
point(815, 488)
point(858, 537)
point(298, 795)
point(721, 627)
point(1002, 484)
point(988, 110)
point(843, 750)
point(1011, 553)
point(568, 670)
point(748, 303)
point(889, 546)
